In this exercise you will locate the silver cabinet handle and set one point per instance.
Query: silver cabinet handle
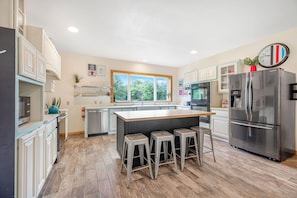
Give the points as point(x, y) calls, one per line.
point(251, 125)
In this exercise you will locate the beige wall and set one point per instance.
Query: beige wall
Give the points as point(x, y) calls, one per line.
point(78, 64)
point(288, 37)
point(75, 63)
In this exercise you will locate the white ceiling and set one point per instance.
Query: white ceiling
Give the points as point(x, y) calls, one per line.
point(161, 31)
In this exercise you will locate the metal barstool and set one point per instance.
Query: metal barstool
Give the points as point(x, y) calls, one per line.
point(185, 136)
point(164, 137)
point(202, 131)
point(130, 142)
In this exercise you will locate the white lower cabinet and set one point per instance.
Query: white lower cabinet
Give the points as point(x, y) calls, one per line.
point(40, 157)
point(37, 152)
point(48, 154)
point(31, 175)
point(26, 159)
point(50, 146)
point(220, 123)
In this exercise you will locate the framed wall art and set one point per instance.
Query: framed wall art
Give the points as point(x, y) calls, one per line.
point(101, 70)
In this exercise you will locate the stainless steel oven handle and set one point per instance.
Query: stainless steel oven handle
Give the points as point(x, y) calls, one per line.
point(251, 125)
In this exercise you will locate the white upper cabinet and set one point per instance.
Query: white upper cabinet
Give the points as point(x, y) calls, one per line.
point(191, 77)
point(31, 61)
point(13, 14)
point(207, 73)
point(40, 67)
point(224, 71)
point(42, 42)
point(27, 59)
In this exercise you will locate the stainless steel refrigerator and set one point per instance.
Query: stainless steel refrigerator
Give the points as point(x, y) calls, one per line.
point(262, 118)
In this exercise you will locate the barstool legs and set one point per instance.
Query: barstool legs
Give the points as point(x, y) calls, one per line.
point(129, 163)
point(149, 159)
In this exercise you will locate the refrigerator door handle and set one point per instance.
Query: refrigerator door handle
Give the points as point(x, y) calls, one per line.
point(251, 96)
point(251, 125)
point(246, 96)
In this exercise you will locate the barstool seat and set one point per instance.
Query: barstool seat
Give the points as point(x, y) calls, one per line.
point(185, 136)
point(203, 131)
point(164, 137)
point(130, 141)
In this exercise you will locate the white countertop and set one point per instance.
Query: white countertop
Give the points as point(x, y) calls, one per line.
point(130, 116)
point(49, 117)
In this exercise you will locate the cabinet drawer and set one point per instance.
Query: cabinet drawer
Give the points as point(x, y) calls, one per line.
point(221, 113)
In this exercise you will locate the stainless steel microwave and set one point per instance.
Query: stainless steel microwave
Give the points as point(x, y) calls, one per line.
point(24, 109)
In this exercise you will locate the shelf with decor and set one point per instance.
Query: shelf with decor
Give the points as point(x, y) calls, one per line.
point(224, 71)
point(91, 91)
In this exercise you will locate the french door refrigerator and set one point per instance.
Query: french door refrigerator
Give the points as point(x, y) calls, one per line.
point(262, 118)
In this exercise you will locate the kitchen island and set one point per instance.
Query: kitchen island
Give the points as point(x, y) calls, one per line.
point(129, 122)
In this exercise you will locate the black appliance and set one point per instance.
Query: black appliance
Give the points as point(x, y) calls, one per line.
point(203, 96)
point(8, 121)
point(24, 109)
point(262, 118)
point(200, 99)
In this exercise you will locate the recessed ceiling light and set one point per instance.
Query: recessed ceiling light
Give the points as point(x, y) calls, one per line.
point(144, 60)
point(72, 29)
point(193, 52)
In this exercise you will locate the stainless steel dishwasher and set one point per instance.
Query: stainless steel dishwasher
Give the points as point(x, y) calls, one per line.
point(97, 121)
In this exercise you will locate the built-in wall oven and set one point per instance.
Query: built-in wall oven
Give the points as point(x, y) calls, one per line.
point(203, 96)
point(200, 99)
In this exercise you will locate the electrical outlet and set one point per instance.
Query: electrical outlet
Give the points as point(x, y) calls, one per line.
point(95, 102)
point(100, 102)
point(67, 103)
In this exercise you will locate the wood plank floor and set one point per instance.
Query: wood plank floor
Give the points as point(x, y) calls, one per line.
point(90, 167)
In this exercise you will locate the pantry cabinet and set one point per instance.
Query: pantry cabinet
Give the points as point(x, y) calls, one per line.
point(219, 123)
point(38, 37)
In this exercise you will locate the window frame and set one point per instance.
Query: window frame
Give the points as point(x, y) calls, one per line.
point(155, 76)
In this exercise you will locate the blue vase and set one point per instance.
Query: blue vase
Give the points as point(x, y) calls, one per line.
point(53, 110)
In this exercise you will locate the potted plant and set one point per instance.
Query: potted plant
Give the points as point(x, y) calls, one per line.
point(252, 63)
point(77, 78)
point(55, 105)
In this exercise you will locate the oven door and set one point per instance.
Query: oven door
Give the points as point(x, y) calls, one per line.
point(205, 119)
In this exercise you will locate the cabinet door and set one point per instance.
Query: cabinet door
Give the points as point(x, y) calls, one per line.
point(202, 74)
point(211, 73)
point(27, 59)
point(48, 154)
point(54, 146)
point(40, 159)
point(112, 120)
point(220, 127)
point(40, 64)
point(26, 160)
point(224, 71)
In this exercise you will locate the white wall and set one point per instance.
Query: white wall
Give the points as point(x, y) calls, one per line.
point(288, 37)
point(78, 64)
